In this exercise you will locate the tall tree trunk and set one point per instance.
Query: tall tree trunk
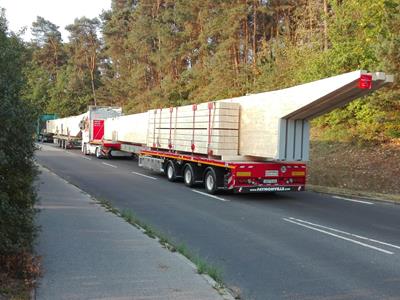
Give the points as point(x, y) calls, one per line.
point(325, 25)
point(92, 68)
point(246, 37)
point(310, 17)
point(235, 60)
point(254, 34)
point(55, 56)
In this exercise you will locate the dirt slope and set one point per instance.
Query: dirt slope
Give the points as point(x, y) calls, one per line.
point(372, 168)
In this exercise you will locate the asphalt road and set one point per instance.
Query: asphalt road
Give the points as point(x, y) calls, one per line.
point(278, 246)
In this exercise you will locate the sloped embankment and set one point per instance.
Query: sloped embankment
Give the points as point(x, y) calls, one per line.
point(368, 168)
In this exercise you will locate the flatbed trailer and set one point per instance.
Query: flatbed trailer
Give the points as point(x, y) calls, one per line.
point(67, 142)
point(239, 177)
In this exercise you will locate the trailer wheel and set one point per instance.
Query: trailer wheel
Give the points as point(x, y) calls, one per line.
point(210, 181)
point(171, 171)
point(84, 150)
point(188, 175)
point(98, 153)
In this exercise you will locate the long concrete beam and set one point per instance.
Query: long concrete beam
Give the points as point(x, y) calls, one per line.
point(341, 96)
point(274, 125)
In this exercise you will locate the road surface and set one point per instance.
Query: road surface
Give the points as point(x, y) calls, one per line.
point(278, 246)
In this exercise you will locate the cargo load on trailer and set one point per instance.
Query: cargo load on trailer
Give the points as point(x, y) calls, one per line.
point(42, 135)
point(66, 131)
point(275, 124)
point(271, 125)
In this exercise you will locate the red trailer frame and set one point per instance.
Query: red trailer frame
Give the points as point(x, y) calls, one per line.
point(239, 177)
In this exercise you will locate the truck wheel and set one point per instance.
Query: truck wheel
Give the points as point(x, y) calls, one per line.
point(84, 150)
point(188, 175)
point(171, 171)
point(98, 153)
point(210, 181)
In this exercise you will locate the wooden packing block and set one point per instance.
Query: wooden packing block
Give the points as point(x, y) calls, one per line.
point(215, 144)
point(202, 138)
point(218, 138)
point(198, 125)
point(200, 107)
point(201, 150)
point(177, 144)
point(213, 121)
point(186, 114)
point(214, 132)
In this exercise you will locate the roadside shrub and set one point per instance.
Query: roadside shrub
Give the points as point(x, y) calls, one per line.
point(17, 170)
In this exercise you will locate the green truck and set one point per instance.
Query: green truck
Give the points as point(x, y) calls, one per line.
point(41, 134)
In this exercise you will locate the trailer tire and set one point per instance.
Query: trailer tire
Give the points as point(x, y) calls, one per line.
point(188, 175)
point(84, 150)
point(210, 181)
point(97, 152)
point(171, 171)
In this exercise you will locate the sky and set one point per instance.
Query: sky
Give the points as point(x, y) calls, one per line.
point(21, 13)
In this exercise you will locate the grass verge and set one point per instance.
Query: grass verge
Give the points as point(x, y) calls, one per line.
point(202, 266)
point(353, 193)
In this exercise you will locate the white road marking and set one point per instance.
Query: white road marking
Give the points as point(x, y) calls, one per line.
point(211, 196)
point(340, 237)
point(109, 165)
point(143, 175)
point(84, 157)
point(347, 233)
point(353, 200)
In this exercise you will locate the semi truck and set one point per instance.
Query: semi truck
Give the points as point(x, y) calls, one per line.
point(41, 131)
point(66, 131)
point(254, 143)
point(92, 128)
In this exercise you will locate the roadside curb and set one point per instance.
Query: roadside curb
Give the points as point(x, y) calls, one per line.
point(386, 198)
point(223, 291)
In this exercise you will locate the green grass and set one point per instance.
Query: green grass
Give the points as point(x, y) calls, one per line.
point(202, 266)
point(108, 206)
